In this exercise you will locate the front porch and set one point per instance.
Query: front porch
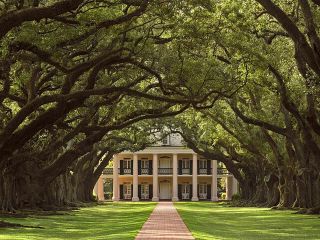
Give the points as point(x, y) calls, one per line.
point(145, 188)
point(170, 174)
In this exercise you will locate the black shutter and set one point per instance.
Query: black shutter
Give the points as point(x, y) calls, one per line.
point(208, 167)
point(208, 191)
point(150, 167)
point(131, 190)
point(139, 167)
point(150, 191)
point(198, 189)
point(131, 167)
point(180, 167)
point(179, 191)
point(190, 195)
point(191, 167)
point(139, 191)
point(121, 167)
point(121, 191)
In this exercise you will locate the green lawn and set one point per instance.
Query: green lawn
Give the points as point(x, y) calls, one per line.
point(109, 221)
point(218, 221)
point(205, 220)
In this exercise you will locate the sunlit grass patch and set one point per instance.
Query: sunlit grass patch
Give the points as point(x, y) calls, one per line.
point(121, 220)
point(207, 220)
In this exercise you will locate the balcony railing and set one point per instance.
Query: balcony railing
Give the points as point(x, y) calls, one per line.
point(145, 171)
point(164, 171)
point(185, 171)
point(108, 171)
point(167, 171)
point(204, 171)
point(127, 171)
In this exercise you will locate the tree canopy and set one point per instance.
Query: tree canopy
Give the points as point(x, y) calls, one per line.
point(83, 80)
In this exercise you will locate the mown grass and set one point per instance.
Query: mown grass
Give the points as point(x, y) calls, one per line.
point(205, 220)
point(121, 220)
point(208, 220)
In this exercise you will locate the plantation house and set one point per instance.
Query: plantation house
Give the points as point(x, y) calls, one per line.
point(166, 171)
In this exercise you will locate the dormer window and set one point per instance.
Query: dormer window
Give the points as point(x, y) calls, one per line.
point(166, 140)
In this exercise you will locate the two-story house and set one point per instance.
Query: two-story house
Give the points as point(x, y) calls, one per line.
point(166, 171)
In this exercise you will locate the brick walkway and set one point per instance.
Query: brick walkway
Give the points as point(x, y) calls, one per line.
point(164, 223)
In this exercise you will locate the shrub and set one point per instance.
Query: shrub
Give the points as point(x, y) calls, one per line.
point(223, 196)
point(235, 197)
point(108, 195)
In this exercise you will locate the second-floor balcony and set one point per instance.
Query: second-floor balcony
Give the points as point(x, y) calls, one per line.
point(204, 171)
point(126, 171)
point(166, 171)
point(108, 171)
point(185, 171)
point(145, 171)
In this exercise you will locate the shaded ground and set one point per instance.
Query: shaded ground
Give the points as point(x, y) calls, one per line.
point(4, 224)
point(109, 221)
point(208, 220)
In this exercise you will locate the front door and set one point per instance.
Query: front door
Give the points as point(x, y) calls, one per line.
point(185, 191)
point(127, 191)
point(165, 190)
point(203, 191)
point(144, 191)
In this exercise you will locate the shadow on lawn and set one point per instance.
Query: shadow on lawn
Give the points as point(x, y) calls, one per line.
point(108, 221)
point(217, 221)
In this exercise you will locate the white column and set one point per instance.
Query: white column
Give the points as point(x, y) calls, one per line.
point(115, 177)
point(95, 189)
point(214, 184)
point(229, 187)
point(135, 196)
point(100, 189)
point(175, 178)
point(194, 178)
point(155, 197)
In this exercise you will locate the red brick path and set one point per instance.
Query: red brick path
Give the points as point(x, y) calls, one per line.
point(164, 223)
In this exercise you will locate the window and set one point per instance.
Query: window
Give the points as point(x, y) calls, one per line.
point(203, 191)
point(202, 163)
point(144, 163)
point(185, 191)
point(185, 163)
point(127, 163)
point(145, 191)
point(127, 191)
point(202, 188)
point(166, 140)
point(185, 188)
